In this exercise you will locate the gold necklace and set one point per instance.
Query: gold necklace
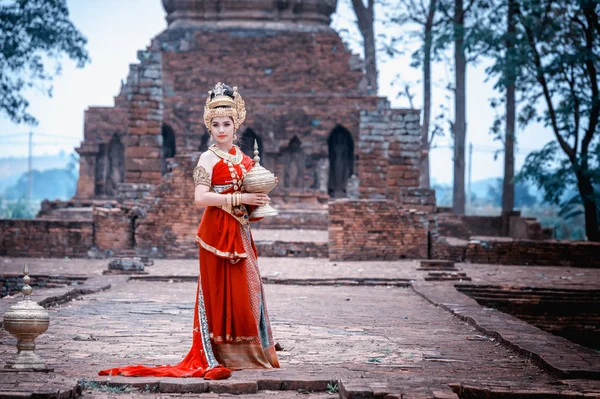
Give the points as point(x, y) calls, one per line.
point(234, 159)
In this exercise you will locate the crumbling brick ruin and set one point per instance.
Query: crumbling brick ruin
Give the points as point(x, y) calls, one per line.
point(346, 161)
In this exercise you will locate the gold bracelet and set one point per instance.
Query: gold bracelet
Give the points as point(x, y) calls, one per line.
point(228, 199)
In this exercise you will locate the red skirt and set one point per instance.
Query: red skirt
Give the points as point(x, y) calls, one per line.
point(231, 324)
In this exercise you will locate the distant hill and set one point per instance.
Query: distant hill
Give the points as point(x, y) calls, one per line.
point(480, 189)
point(11, 168)
point(50, 184)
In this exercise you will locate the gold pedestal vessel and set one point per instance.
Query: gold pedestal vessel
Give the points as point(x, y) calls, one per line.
point(26, 320)
point(260, 180)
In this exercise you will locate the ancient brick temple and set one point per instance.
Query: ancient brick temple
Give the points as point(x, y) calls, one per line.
point(347, 163)
point(304, 92)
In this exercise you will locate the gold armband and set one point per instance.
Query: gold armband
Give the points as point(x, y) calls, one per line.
point(201, 176)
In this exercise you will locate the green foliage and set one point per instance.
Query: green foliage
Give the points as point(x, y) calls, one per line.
point(555, 66)
point(19, 209)
point(102, 387)
point(332, 387)
point(563, 229)
point(443, 195)
point(49, 184)
point(34, 32)
point(523, 196)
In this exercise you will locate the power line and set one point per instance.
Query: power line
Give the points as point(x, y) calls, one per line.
point(26, 135)
point(485, 149)
point(54, 142)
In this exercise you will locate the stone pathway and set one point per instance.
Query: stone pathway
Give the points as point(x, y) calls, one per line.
point(372, 340)
point(318, 268)
point(297, 235)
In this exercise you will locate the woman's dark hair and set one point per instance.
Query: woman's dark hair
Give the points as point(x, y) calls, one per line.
point(228, 91)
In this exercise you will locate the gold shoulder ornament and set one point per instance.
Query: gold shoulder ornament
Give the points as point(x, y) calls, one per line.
point(201, 176)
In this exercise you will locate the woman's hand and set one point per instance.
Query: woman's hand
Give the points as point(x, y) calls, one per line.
point(255, 199)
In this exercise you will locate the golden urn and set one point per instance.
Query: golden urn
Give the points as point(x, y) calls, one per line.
point(260, 180)
point(26, 320)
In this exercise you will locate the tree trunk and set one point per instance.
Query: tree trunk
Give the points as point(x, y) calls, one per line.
point(460, 128)
point(424, 161)
point(508, 185)
point(366, 20)
point(370, 58)
point(586, 190)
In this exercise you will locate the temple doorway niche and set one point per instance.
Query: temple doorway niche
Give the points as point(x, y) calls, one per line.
point(246, 143)
point(293, 160)
point(134, 224)
point(168, 146)
point(341, 161)
point(100, 172)
point(204, 142)
point(116, 166)
point(135, 219)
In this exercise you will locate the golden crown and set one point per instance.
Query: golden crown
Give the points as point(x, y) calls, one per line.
point(223, 105)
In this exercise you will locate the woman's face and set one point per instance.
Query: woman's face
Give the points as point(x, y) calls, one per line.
point(221, 129)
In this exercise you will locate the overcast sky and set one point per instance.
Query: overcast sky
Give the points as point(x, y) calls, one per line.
point(117, 29)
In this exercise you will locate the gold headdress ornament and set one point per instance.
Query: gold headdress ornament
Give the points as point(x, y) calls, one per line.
point(223, 105)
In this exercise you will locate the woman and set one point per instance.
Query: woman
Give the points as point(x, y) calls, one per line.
point(231, 324)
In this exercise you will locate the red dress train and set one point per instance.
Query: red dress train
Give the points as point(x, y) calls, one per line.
point(231, 324)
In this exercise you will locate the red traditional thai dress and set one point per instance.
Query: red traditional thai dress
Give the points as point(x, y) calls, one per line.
point(231, 324)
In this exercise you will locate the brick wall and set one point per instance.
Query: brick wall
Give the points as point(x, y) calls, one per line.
point(391, 220)
point(45, 238)
point(304, 94)
point(507, 251)
point(167, 218)
point(388, 151)
point(528, 228)
point(376, 229)
point(169, 87)
point(113, 229)
point(447, 248)
point(461, 226)
point(421, 199)
point(145, 115)
point(100, 124)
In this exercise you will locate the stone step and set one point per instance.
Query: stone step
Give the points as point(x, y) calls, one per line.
point(436, 264)
point(315, 219)
point(297, 249)
point(447, 276)
point(292, 235)
point(299, 243)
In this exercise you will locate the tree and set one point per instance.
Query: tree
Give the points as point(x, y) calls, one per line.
point(559, 47)
point(523, 197)
point(32, 33)
point(19, 209)
point(498, 43)
point(423, 15)
point(460, 111)
point(51, 184)
point(366, 20)
point(460, 32)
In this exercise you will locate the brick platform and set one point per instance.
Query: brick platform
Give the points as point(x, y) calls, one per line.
point(370, 337)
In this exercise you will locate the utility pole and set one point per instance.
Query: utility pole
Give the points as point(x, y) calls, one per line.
point(469, 181)
point(29, 168)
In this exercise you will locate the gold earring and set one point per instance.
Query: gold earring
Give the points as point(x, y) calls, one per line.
point(235, 136)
